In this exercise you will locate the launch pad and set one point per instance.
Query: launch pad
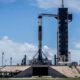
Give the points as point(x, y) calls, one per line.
point(39, 70)
point(40, 65)
point(40, 62)
point(63, 18)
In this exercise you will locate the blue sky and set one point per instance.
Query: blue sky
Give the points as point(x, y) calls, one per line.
point(19, 22)
point(19, 25)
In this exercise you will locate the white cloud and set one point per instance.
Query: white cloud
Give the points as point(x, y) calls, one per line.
point(18, 50)
point(75, 55)
point(77, 45)
point(72, 4)
point(47, 3)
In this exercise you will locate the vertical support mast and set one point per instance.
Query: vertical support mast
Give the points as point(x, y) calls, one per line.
point(2, 59)
point(10, 61)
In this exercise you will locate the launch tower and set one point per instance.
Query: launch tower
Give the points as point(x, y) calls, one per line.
point(63, 18)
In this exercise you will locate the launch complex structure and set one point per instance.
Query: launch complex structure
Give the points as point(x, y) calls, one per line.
point(40, 65)
point(63, 18)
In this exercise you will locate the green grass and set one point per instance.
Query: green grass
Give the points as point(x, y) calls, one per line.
point(70, 79)
point(41, 79)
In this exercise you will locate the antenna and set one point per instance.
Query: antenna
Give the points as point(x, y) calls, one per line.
point(62, 3)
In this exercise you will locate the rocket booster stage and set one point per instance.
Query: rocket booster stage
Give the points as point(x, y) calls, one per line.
point(40, 38)
point(40, 29)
